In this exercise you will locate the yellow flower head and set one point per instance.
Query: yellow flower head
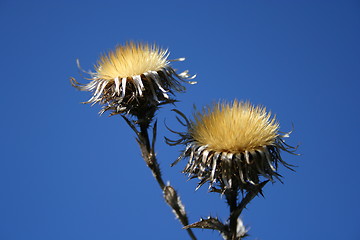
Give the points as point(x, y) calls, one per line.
point(131, 60)
point(133, 78)
point(232, 145)
point(235, 128)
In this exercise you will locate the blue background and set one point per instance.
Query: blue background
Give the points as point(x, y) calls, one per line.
point(67, 173)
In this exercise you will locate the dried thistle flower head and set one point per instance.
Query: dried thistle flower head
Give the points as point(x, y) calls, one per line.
point(234, 128)
point(133, 77)
point(232, 144)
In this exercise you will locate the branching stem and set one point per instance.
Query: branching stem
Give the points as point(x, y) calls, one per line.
point(148, 153)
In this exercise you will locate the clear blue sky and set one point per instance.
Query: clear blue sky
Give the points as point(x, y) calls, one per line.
point(67, 173)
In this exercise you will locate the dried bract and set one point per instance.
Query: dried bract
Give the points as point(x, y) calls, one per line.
point(132, 78)
point(232, 144)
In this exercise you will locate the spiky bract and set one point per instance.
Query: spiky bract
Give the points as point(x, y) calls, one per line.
point(133, 77)
point(232, 144)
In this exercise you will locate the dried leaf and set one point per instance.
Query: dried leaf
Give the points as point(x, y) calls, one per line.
point(209, 223)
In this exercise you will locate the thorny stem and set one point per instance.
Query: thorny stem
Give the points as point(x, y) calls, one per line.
point(236, 209)
point(144, 133)
point(231, 197)
point(148, 153)
point(249, 196)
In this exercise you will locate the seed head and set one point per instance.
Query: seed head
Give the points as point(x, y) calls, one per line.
point(131, 60)
point(133, 78)
point(234, 128)
point(232, 145)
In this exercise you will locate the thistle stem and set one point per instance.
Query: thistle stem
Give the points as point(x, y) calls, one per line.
point(148, 153)
point(236, 209)
point(231, 198)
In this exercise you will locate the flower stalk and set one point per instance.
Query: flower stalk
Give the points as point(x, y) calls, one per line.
point(147, 148)
point(231, 198)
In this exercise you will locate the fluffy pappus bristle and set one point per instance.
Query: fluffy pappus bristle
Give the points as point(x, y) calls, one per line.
point(130, 60)
point(235, 127)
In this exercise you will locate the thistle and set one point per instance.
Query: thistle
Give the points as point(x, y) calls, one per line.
point(231, 146)
point(232, 142)
point(234, 147)
point(133, 81)
point(133, 78)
